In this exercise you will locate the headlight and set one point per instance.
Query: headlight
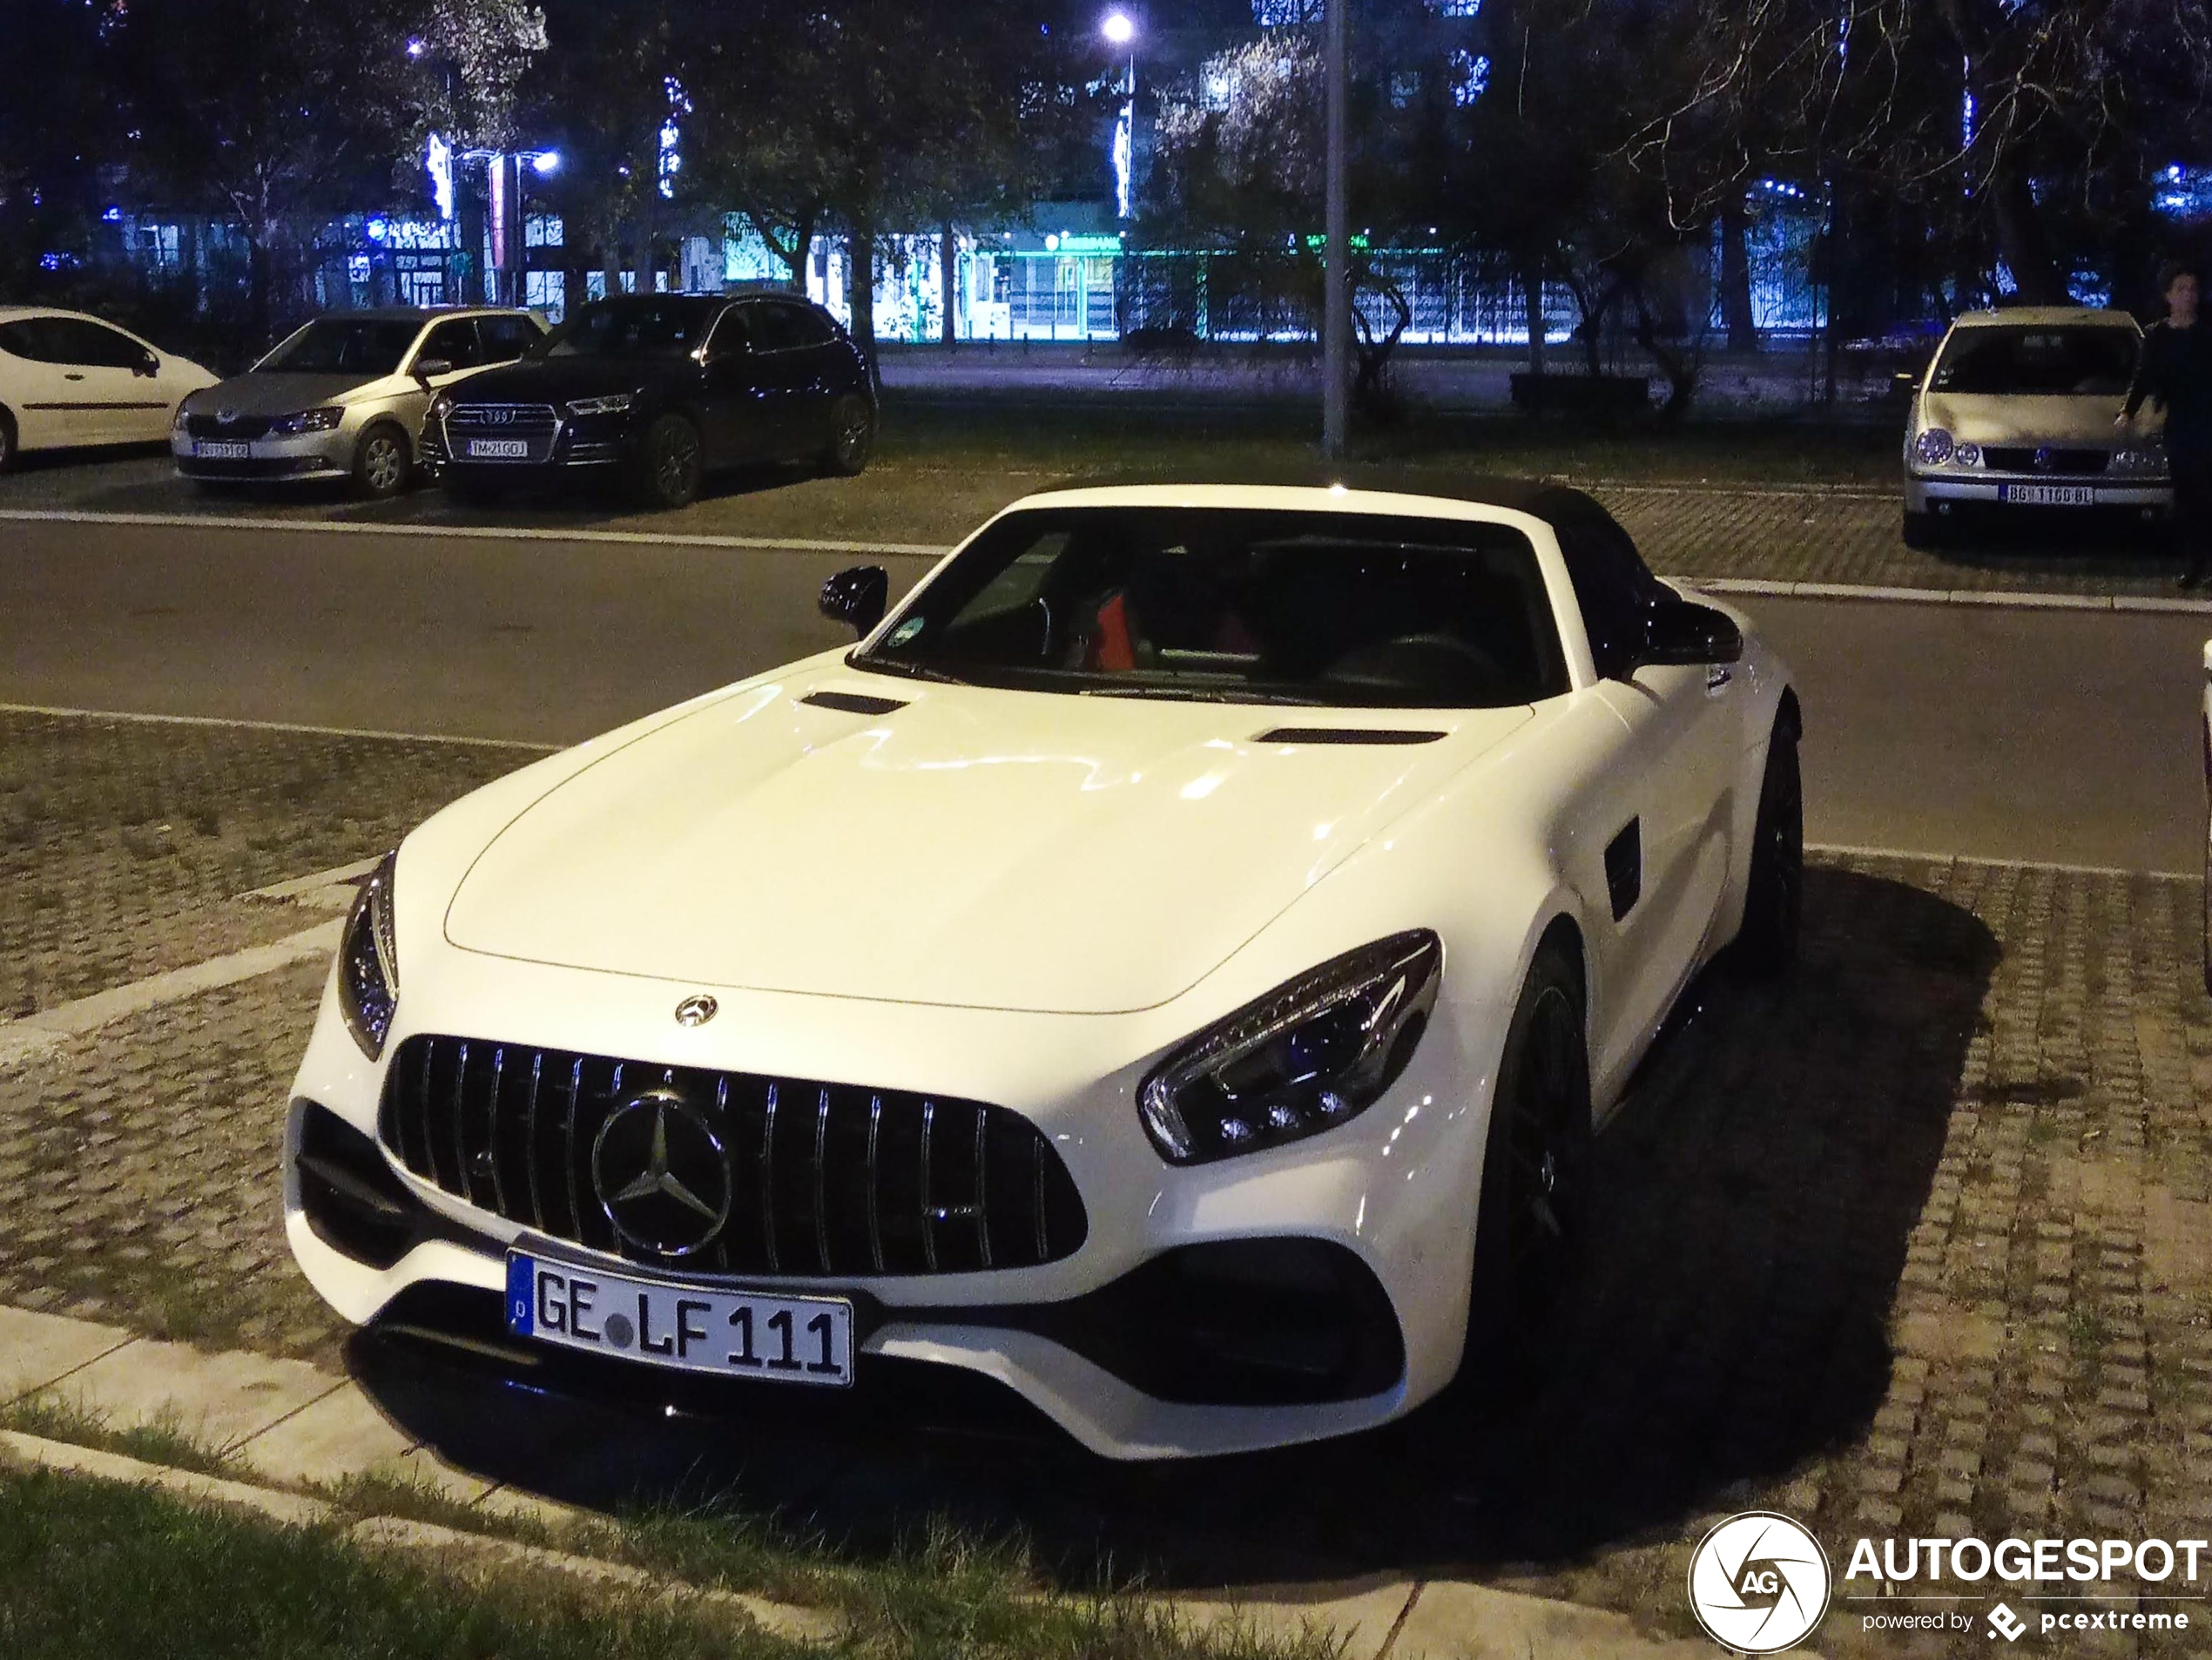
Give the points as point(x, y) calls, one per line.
point(440, 409)
point(323, 420)
point(177, 423)
point(368, 963)
point(2146, 459)
point(1967, 454)
point(613, 403)
point(1312, 1053)
point(1932, 447)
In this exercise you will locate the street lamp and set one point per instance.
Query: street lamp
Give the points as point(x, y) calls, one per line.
point(1120, 29)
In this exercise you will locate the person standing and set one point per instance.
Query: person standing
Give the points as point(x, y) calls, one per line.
point(2175, 372)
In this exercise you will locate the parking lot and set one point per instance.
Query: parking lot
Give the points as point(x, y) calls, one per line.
point(1917, 1245)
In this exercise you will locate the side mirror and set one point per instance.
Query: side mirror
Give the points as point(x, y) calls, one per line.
point(1674, 630)
point(857, 596)
point(428, 368)
point(149, 365)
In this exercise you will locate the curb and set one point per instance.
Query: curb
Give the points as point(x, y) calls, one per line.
point(1997, 599)
point(286, 1422)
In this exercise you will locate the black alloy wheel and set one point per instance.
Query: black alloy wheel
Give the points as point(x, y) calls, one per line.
point(1533, 1217)
point(851, 435)
point(381, 464)
point(1774, 901)
point(669, 468)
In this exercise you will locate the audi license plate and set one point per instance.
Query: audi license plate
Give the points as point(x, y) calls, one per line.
point(222, 452)
point(746, 1334)
point(499, 449)
point(2047, 494)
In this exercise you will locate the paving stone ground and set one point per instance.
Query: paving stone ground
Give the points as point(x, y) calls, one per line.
point(1919, 1245)
point(122, 843)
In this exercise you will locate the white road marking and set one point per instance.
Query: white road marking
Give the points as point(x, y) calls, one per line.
point(35, 1034)
point(274, 726)
point(324, 890)
point(1836, 851)
point(496, 533)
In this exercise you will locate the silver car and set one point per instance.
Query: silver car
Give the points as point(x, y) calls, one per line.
point(342, 398)
point(2016, 412)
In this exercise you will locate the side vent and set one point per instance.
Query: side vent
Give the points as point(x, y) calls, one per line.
point(1346, 735)
point(852, 703)
point(1624, 868)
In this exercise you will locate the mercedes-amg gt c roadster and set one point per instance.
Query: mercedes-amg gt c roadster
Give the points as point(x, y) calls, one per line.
point(1173, 965)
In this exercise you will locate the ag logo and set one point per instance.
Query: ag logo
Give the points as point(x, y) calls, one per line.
point(1758, 1582)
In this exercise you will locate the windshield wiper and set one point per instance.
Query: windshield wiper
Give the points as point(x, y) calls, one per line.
point(912, 671)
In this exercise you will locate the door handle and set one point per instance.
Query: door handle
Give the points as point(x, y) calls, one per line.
point(1716, 679)
point(72, 377)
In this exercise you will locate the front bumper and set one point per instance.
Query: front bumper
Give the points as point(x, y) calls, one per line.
point(1932, 492)
point(1157, 1338)
point(297, 459)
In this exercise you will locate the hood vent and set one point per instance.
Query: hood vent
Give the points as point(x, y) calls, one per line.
point(852, 703)
point(1346, 735)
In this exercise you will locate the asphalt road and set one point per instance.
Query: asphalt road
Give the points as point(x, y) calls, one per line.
point(2058, 735)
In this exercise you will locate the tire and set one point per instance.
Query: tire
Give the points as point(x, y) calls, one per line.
point(667, 469)
point(9, 453)
point(852, 437)
point(1774, 894)
point(1531, 1221)
point(383, 463)
point(1922, 531)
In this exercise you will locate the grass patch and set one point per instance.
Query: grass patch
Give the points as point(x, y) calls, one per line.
point(206, 1583)
point(164, 1440)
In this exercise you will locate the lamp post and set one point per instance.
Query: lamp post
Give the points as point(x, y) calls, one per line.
point(1336, 278)
point(1120, 29)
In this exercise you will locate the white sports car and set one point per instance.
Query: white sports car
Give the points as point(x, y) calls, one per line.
point(1173, 966)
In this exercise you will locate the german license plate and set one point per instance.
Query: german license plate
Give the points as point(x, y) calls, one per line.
point(222, 452)
point(2048, 495)
point(499, 449)
point(745, 1334)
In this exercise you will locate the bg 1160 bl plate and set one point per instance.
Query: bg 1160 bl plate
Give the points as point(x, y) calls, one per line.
point(2048, 495)
point(740, 1334)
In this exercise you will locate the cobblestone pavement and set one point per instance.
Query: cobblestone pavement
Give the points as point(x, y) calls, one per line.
point(1921, 1245)
point(122, 844)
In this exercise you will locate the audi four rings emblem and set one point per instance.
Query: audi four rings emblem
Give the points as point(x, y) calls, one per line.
point(696, 1010)
point(496, 417)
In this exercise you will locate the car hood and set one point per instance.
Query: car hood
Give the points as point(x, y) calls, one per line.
point(974, 847)
point(1979, 419)
point(555, 379)
point(273, 394)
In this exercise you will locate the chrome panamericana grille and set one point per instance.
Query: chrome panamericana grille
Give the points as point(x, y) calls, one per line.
point(825, 1179)
point(536, 424)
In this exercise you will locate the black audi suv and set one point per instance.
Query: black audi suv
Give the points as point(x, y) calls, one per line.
point(659, 390)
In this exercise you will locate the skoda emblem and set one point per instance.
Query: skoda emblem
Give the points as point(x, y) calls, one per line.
point(226, 416)
point(696, 1011)
point(661, 1175)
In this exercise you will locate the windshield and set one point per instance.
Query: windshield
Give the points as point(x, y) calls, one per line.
point(2085, 361)
point(632, 328)
point(363, 346)
point(1239, 605)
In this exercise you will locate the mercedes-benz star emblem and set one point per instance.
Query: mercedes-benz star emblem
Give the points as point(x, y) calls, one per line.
point(696, 1010)
point(661, 1174)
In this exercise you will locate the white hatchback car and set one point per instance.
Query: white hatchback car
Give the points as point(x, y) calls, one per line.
point(2016, 412)
point(68, 381)
point(1174, 966)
